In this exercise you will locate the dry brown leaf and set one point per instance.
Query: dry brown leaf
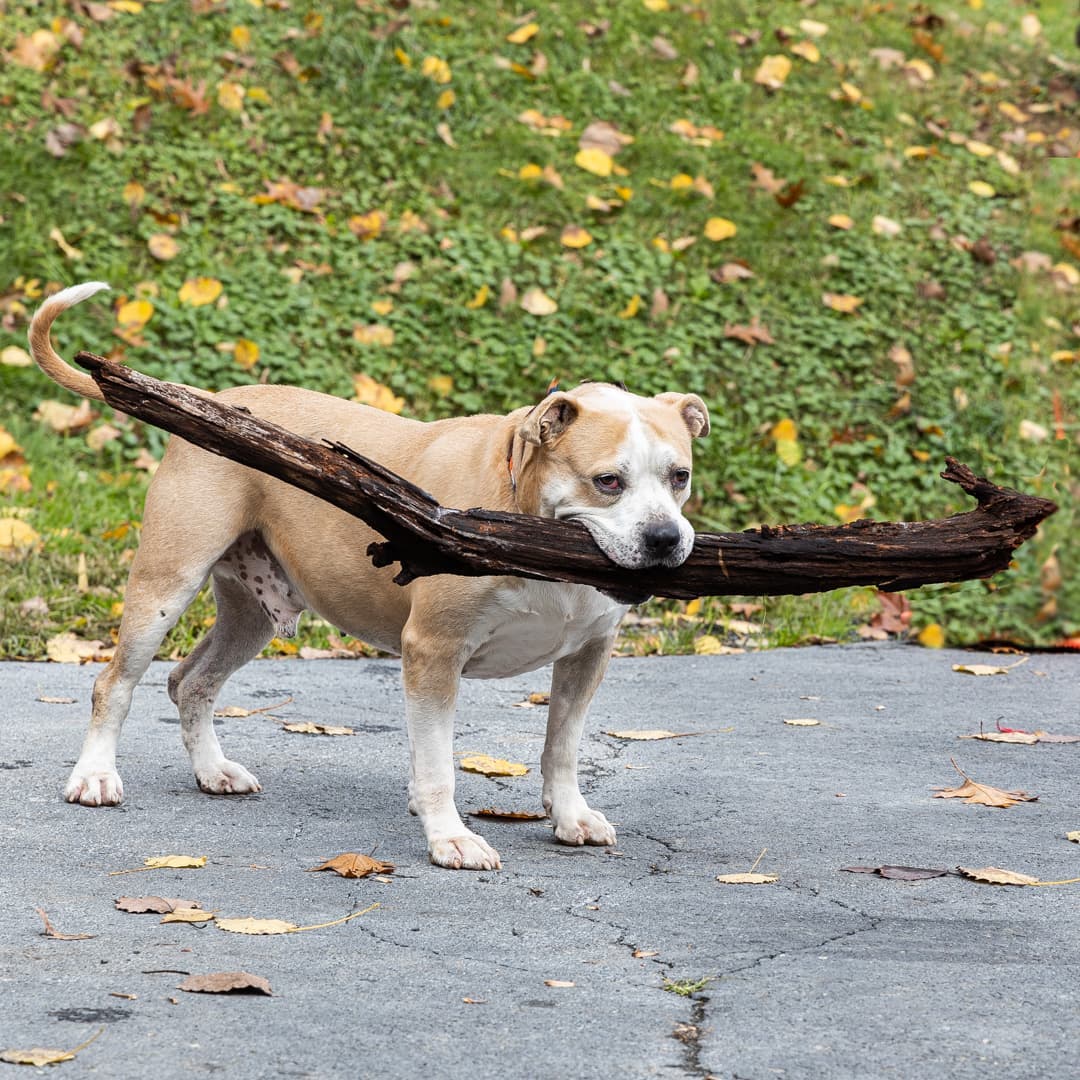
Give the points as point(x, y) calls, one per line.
point(731, 271)
point(747, 879)
point(226, 982)
point(752, 333)
point(601, 135)
point(154, 905)
point(50, 931)
point(982, 794)
point(900, 873)
point(68, 648)
point(992, 875)
point(537, 302)
point(509, 815)
point(559, 983)
point(1004, 736)
point(1073, 836)
point(351, 865)
point(490, 766)
point(238, 712)
point(45, 699)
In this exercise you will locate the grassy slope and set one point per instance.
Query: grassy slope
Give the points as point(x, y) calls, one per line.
point(342, 105)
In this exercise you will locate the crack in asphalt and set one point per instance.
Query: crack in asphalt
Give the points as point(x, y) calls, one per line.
point(873, 921)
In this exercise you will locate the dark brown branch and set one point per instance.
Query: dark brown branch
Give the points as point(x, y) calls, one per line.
point(430, 539)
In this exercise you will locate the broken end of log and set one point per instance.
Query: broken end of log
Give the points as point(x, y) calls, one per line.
point(1026, 512)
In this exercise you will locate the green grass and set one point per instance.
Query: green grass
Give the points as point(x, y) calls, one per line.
point(336, 100)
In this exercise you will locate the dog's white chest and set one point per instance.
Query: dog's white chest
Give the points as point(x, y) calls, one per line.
point(533, 623)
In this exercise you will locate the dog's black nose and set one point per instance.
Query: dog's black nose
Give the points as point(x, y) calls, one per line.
point(662, 538)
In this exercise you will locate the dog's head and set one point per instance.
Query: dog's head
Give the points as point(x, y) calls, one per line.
point(618, 463)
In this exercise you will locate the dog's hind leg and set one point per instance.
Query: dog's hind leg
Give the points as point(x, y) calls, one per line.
point(155, 598)
point(240, 632)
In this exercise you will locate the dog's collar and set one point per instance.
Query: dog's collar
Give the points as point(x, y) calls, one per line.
point(553, 386)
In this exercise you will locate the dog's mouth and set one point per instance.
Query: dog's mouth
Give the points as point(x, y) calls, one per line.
point(632, 553)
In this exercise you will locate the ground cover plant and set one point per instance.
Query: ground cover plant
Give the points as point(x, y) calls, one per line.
point(853, 229)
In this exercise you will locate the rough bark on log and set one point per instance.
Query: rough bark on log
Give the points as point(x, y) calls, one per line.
point(427, 538)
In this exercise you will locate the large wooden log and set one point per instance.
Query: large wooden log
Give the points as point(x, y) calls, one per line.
point(426, 538)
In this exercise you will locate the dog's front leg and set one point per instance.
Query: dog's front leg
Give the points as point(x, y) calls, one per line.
point(574, 681)
point(431, 675)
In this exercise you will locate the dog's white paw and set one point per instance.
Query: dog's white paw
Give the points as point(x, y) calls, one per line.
point(465, 852)
point(94, 787)
point(584, 826)
point(227, 778)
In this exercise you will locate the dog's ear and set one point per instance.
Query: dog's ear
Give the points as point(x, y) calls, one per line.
point(693, 411)
point(549, 420)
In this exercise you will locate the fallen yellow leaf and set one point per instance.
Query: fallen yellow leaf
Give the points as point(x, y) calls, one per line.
point(187, 915)
point(594, 160)
point(490, 766)
point(841, 221)
point(435, 69)
point(230, 96)
point(980, 669)
point(370, 392)
point(257, 926)
point(309, 728)
point(932, 637)
point(982, 189)
point(200, 291)
point(16, 535)
point(175, 862)
point(523, 33)
point(574, 236)
point(747, 879)
point(246, 354)
point(773, 71)
point(374, 334)
point(845, 303)
point(718, 228)
point(135, 314)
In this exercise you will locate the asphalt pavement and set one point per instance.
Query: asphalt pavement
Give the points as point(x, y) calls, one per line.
point(819, 974)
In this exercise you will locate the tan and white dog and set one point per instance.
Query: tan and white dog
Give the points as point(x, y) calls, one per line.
point(616, 462)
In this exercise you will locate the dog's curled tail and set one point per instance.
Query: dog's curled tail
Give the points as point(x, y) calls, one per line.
point(54, 365)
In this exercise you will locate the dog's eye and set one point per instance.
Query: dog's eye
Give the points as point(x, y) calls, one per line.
point(609, 483)
point(680, 478)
